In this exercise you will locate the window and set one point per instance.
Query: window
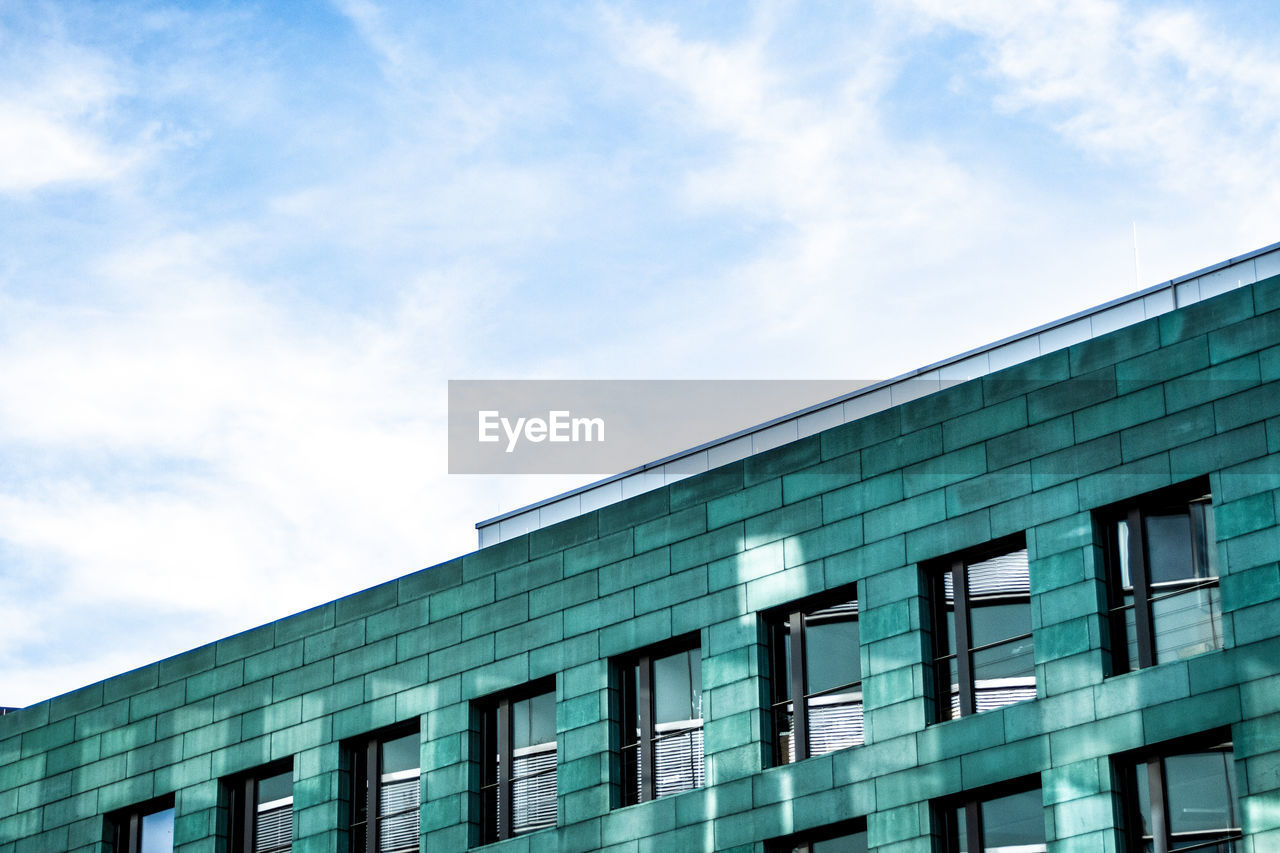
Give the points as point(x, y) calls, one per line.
point(385, 793)
point(262, 811)
point(817, 678)
point(1011, 820)
point(1181, 800)
point(1162, 577)
point(847, 837)
point(982, 630)
point(518, 763)
point(147, 828)
point(661, 742)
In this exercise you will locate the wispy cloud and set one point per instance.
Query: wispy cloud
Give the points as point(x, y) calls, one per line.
point(246, 249)
point(1160, 90)
point(51, 103)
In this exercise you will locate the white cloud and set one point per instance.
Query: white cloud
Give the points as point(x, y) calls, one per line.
point(50, 103)
point(1161, 90)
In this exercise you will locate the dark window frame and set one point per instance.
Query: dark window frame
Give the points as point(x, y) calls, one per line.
point(802, 842)
point(790, 620)
point(494, 738)
point(956, 566)
point(242, 791)
point(124, 827)
point(1150, 761)
point(945, 830)
point(364, 761)
point(1197, 498)
point(642, 705)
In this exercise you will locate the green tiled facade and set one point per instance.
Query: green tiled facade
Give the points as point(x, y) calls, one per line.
point(1034, 449)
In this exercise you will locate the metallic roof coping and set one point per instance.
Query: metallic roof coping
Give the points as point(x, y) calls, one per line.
point(650, 467)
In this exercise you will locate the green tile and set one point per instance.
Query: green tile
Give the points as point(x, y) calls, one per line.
point(527, 576)
point(1077, 392)
point(1207, 315)
point(944, 470)
point(622, 575)
point(954, 534)
point(1162, 365)
point(832, 474)
point(601, 552)
point(372, 600)
point(900, 452)
point(1220, 451)
point(861, 433)
point(707, 548)
point(1212, 383)
point(504, 555)
point(912, 514)
point(986, 423)
point(682, 524)
point(1023, 444)
point(429, 580)
point(743, 504)
point(1021, 513)
point(665, 592)
point(786, 521)
point(988, 489)
point(862, 497)
point(1247, 407)
point(1025, 377)
point(773, 463)
point(702, 488)
point(822, 542)
point(566, 534)
point(1251, 335)
point(634, 511)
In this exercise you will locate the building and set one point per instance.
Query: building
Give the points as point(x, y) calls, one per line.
point(1035, 609)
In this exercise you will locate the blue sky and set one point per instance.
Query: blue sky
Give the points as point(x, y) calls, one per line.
point(243, 247)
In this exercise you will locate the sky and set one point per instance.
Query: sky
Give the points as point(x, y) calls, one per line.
point(244, 246)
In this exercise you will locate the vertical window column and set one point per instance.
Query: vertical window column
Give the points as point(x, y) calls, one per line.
point(662, 724)
point(385, 794)
point(518, 783)
point(816, 679)
point(982, 640)
point(1163, 578)
point(143, 829)
point(1182, 800)
point(1008, 823)
point(262, 812)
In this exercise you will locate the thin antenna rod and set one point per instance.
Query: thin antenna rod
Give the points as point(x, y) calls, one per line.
point(1137, 265)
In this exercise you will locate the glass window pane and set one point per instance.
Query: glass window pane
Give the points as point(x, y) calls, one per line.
point(1199, 791)
point(631, 704)
point(1187, 623)
point(403, 753)
point(1169, 547)
point(831, 655)
point(1006, 574)
point(1206, 539)
point(782, 668)
point(533, 721)
point(962, 831)
point(1144, 798)
point(677, 688)
point(277, 787)
point(1003, 674)
point(990, 623)
point(1130, 631)
point(1122, 557)
point(1015, 821)
point(157, 832)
